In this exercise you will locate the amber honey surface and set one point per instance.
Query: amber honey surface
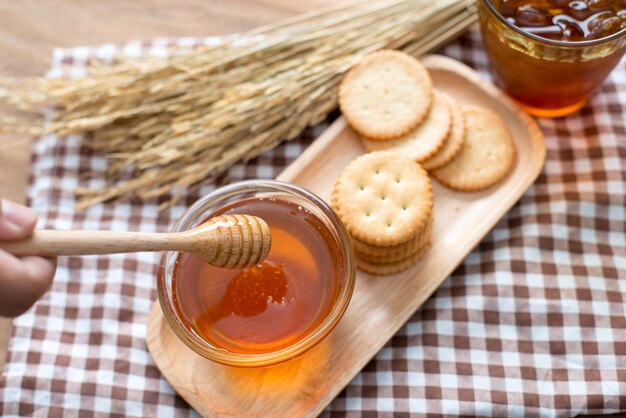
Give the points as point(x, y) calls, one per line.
point(566, 20)
point(270, 306)
point(547, 79)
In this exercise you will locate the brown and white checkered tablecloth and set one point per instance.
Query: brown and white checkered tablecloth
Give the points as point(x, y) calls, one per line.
point(533, 323)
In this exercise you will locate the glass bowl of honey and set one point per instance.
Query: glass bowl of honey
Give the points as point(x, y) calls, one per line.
point(271, 312)
point(552, 55)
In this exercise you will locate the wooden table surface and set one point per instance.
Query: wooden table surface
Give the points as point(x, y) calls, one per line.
point(30, 29)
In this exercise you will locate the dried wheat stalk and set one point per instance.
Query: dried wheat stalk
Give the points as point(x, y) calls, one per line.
point(185, 119)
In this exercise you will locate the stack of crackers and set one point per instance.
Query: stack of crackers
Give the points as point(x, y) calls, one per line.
point(385, 201)
point(409, 128)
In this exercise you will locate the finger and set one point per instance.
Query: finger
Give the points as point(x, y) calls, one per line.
point(16, 221)
point(23, 281)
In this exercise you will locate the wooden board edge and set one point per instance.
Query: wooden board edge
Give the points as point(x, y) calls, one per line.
point(318, 146)
point(156, 321)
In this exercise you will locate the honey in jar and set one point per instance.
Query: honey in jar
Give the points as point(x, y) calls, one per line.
point(551, 55)
point(566, 20)
point(269, 306)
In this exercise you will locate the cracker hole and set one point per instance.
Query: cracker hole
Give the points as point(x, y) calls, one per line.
point(383, 197)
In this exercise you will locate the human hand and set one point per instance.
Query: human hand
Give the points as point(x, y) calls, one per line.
point(23, 280)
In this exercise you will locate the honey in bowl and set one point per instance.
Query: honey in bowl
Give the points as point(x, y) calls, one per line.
point(267, 307)
point(552, 55)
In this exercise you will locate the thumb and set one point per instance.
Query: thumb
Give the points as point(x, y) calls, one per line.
point(16, 221)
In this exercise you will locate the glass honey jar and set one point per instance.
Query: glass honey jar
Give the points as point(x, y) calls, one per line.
point(552, 55)
point(271, 312)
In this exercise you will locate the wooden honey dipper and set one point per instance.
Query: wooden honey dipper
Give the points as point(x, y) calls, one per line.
point(227, 241)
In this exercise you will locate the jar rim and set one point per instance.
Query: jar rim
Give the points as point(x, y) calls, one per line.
point(552, 42)
point(223, 356)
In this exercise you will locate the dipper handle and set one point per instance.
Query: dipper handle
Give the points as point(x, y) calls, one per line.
point(227, 241)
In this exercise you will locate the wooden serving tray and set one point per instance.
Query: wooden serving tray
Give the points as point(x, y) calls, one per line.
point(380, 304)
